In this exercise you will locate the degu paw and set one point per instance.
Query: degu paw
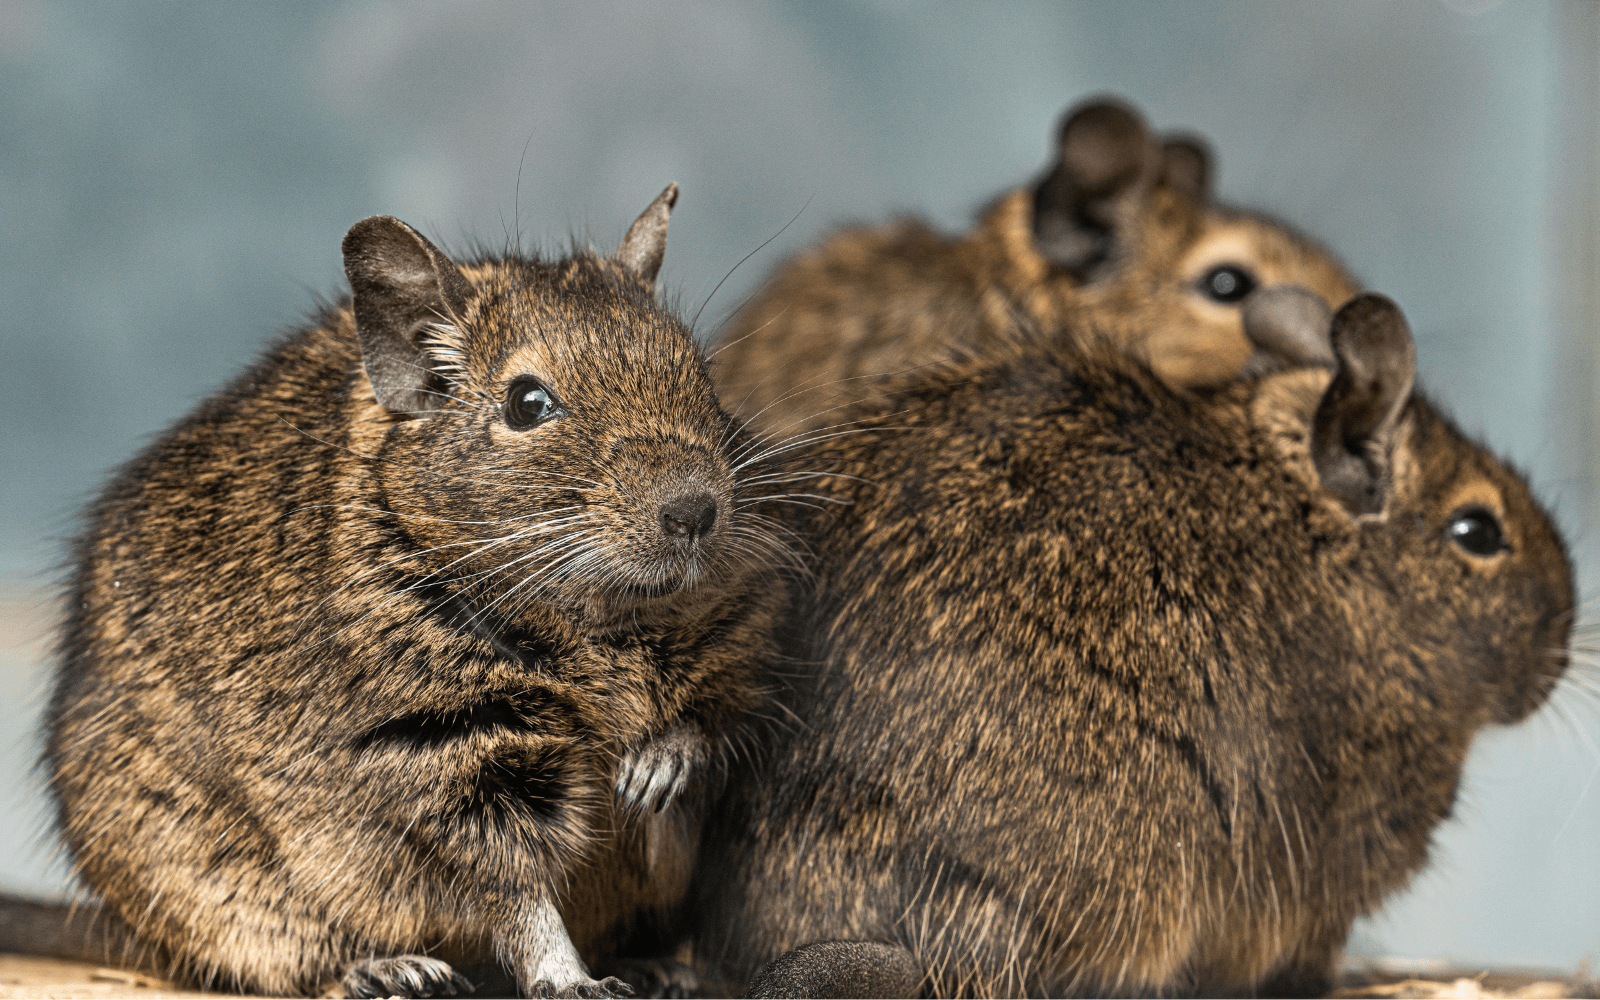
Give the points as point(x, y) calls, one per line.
point(649, 778)
point(663, 978)
point(610, 986)
point(402, 976)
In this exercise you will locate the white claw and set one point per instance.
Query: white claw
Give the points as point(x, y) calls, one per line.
point(651, 777)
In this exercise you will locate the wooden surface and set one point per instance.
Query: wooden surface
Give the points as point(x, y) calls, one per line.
point(25, 976)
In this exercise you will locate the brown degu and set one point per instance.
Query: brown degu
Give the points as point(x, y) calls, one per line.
point(405, 643)
point(1124, 690)
point(1122, 227)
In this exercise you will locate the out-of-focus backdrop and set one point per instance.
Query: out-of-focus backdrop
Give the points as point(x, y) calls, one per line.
point(175, 179)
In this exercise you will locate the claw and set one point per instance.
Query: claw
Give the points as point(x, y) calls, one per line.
point(588, 989)
point(661, 977)
point(403, 976)
point(651, 777)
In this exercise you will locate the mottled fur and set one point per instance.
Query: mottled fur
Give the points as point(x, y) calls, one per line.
point(345, 681)
point(1114, 696)
point(878, 300)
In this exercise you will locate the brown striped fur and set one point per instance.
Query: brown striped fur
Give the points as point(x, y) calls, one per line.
point(347, 682)
point(1119, 691)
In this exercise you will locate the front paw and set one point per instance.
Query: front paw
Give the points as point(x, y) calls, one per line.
point(610, 986)
point(402, 976)
point(649, 778)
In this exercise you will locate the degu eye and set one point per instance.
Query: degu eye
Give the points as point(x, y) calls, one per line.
point(1227, 283)
point(529, 403)
point(1477, 531)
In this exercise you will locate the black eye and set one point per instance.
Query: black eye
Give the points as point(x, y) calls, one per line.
point(1477, 531)
point(1227, 283)
point(530, 403)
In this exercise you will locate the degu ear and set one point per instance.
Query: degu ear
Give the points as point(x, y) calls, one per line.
point(1353, 430)
point(402, 284)
point(645, 245)
point(1105, 161)
point(1186, 167)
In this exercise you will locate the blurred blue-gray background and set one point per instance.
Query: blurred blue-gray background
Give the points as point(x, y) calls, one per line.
point(175, 179)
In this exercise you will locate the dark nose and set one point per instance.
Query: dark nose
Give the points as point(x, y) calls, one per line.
point(689, 517)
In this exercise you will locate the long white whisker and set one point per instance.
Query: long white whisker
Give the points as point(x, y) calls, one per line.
point(713, 355)
point(422, 517)
point(809, 441)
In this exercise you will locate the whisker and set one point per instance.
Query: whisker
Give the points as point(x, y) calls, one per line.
point(802, 421)
point(810, 441)
point(712, 356)
point(795, 498)
point(415, 517)
point(746, 257)
point(798, 390)
point(438, 575)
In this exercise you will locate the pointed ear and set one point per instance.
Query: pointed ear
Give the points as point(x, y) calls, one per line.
point(1290, 327)
point(402, 284)
point(645, 244)
point(1105, 162)
point(1353, 430)
point(1186, 167)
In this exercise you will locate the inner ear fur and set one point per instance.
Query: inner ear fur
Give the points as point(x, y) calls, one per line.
point(1106, 158)
point(1353, 429)
point(401, 285)
point(644, 246)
